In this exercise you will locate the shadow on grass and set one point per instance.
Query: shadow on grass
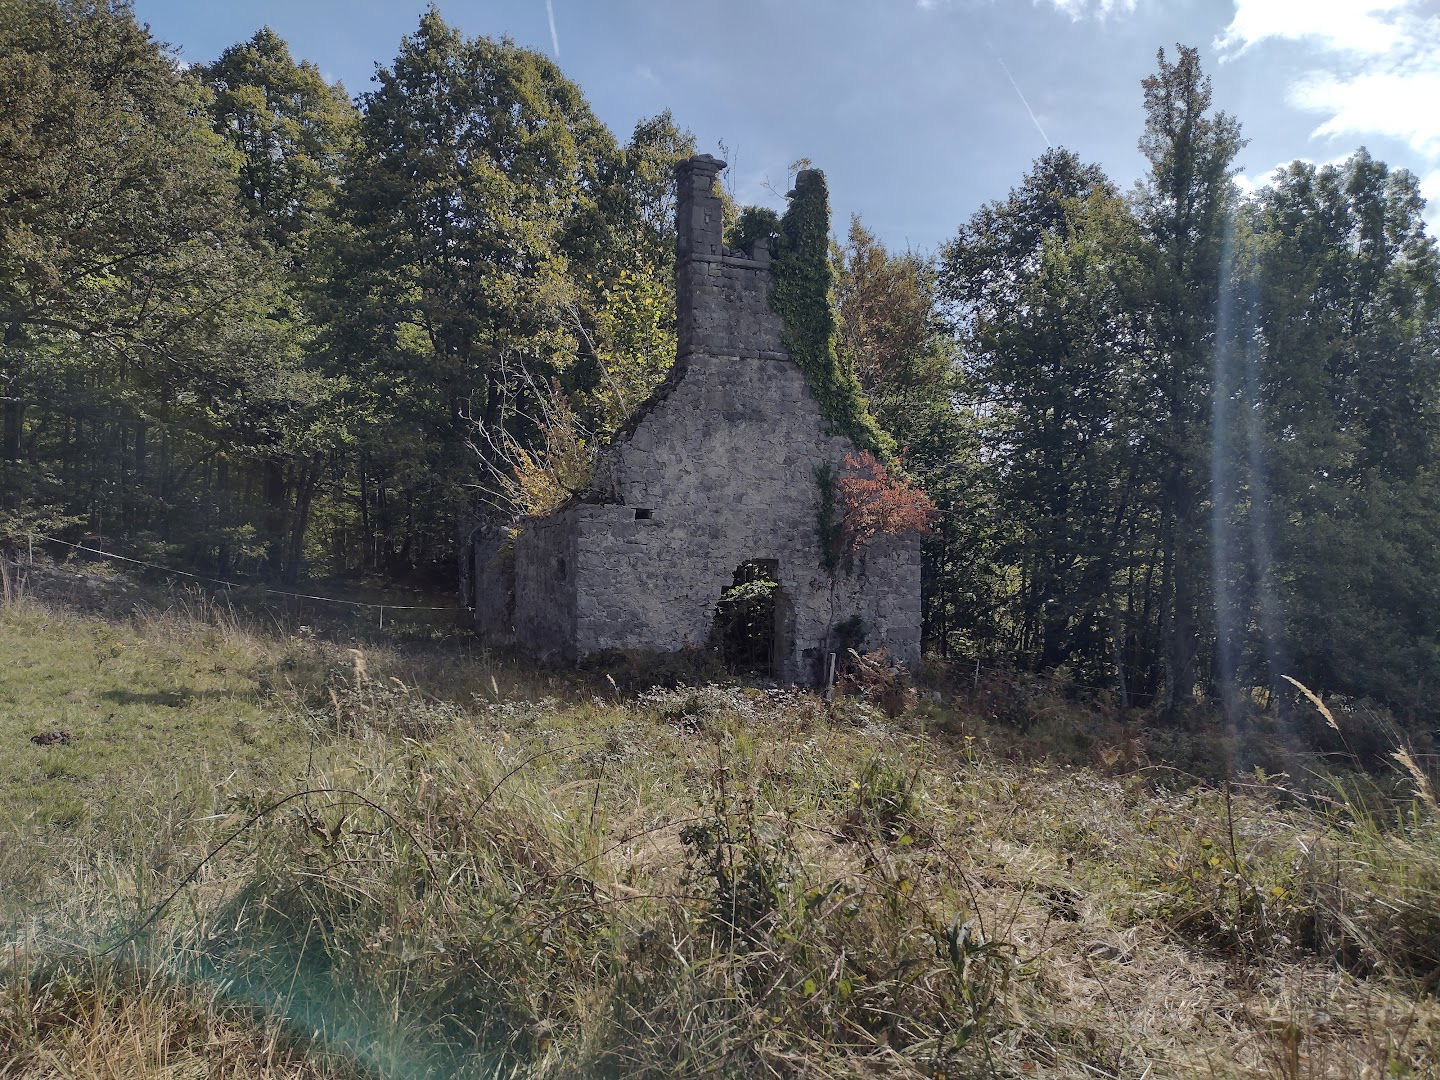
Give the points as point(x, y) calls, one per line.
point(173, 699)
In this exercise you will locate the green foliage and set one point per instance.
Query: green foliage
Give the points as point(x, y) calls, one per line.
point(804, 297)
point(1346, 285)
point(148, 338)
point(1045, 288)
point(907, 362)
point(889, 801)
point(291, 132)
point(476, 176)
point(744, 628)
point(742, 867)
point(827, 518)
point(754, 223)
point(633, 342)
point(1179, 441)
point(1184, 209)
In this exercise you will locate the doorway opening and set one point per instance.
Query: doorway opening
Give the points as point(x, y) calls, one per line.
point(748, 620)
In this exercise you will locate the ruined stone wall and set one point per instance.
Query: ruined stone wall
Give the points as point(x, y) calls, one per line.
point(724, 471)
point(722, 297)
point(718, 470)
point(545, 586)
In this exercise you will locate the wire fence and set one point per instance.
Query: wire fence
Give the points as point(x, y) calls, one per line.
point(372, 605)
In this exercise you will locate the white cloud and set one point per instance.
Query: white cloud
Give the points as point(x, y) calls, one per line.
point(1398, 103)
point(1249, 184)
point(554, 37)
point(1078, 9)
point(1373, 68)
point(1361, 26)
point(1430, 188)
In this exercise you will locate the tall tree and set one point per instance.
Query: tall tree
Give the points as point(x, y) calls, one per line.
point(1343, 496)
point(291, 133)
point(115, 208)
point(1043, 289)
point(128, 296)
point(890, 332)
point(1185, 206)
point(475, 159)
point(621, 306)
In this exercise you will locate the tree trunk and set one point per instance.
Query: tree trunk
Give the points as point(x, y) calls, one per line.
point(367, 531)
point(300, 522)
point(223, 554)
point(275, 508)
point(13, 424)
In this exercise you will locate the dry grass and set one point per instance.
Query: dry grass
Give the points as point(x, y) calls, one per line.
point(456, 867)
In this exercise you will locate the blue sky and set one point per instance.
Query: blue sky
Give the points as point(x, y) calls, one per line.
point(919, 111)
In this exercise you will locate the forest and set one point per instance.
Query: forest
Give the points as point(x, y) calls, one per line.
point(1181, 438)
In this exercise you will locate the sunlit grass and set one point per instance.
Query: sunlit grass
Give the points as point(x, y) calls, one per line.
point(423, 861)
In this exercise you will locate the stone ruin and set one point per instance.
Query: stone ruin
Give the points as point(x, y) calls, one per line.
point(712, 483)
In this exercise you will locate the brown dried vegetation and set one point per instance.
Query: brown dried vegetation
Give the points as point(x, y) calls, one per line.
point(439, 870)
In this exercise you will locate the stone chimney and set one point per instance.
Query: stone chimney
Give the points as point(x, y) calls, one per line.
point(722, 298)
point(698, 218)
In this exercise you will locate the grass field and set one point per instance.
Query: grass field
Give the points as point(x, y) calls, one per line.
point(273, 849)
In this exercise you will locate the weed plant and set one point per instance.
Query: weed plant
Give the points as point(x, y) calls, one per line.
point(426, 861)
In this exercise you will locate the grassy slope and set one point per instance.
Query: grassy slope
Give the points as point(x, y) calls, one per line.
point(506, 871)
point(140, 703)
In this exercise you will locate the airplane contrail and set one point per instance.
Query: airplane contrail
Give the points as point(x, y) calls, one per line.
point(1018, 93)
point(554, 37)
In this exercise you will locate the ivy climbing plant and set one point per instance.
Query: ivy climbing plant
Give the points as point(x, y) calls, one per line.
point(804, 298)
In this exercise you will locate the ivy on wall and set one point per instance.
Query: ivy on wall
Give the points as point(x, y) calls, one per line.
point(804, 298)
point(754, 223)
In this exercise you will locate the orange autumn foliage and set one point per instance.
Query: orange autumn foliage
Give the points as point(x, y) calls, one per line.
point(870, 502)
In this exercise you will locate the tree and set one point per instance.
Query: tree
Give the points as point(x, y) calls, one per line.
point(1185, 206)
point(870, 502)
point(891, 334)
point(1043, 290)
point(477, 161)
point(291, 133)
point(1343, 498)
point(136, 310)
point(622, 304)
point(118, 229)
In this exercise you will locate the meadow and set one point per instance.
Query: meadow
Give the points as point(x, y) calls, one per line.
point(287, 845)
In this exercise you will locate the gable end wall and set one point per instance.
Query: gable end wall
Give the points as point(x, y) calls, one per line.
point(719, 471)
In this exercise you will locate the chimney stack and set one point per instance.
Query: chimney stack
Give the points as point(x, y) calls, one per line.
point(722, 298)
point(698, 218)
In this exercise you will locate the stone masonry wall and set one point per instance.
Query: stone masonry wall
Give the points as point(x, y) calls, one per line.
point(722, 297)
point(546, 573)
point(726, 468)
point(719, 470)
